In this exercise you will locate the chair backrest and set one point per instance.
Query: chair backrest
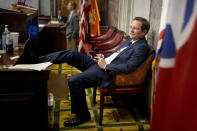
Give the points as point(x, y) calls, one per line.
point(106, 51)
point(112, 42)
point(111, 30)
point(138, 76)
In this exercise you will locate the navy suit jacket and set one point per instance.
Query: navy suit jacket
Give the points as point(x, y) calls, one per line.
point(128, 60)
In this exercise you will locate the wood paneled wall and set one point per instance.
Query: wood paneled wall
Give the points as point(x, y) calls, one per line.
point(108, 12)
point(113, 14)
point(62, 5)
point(103, 9)
point(155, 15)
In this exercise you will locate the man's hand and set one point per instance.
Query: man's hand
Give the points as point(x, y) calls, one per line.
point(100, 61)
point(95, 58)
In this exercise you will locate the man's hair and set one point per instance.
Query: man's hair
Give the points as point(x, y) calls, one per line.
point(73, 4)
point(145, 23)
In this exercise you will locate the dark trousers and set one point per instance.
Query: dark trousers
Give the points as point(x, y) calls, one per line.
point(91, 76)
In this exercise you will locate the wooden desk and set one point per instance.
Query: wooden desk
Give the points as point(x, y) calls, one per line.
point(17, 22)
point(23, 97)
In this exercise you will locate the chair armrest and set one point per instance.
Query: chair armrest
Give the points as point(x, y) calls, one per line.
point(136, 77)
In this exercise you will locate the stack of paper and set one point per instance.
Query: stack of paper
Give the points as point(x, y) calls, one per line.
point(38, 67)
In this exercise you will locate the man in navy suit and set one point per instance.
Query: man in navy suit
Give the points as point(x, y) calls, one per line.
point(95, 70)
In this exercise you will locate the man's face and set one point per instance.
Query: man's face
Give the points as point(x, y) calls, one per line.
point(69, 7)
point(135, 31)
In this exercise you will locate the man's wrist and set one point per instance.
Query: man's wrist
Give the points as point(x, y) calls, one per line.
point(105, 67)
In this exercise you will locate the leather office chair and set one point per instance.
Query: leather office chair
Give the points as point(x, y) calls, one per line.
point(112, 42)
point(132, 83)
point(110, 50)
point(104, 45)
point(107, 35)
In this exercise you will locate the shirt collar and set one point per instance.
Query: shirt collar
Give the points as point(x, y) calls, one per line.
point(133, 41)
point(71, 12)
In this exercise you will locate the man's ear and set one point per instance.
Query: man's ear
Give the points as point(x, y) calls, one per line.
point(145, 31)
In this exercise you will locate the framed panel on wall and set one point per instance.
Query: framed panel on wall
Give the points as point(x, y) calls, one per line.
point(62, 5)
point(6, 3)
point(128, 9)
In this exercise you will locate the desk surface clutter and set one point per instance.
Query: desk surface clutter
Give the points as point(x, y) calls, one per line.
point(38, 67)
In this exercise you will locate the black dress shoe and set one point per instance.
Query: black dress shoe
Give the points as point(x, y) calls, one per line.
point(29, 56)
point(76, 120)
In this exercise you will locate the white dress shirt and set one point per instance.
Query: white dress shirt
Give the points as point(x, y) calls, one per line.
point(110, 58)
point(70, 15)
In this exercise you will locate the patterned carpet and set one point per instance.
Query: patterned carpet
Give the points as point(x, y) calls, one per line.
point(116, 118)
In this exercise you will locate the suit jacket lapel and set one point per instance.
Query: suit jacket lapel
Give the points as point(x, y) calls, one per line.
point(123, 45)
point(70, 17)
point(128, 48)
point(132, 45)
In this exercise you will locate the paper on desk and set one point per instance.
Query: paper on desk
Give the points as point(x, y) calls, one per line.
point(54, 22)
point(38, 67)
point(41, 25)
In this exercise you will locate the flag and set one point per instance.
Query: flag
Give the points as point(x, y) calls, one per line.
point(89, 21)
point(156, 60)
point(94, 19)
point(175, 106)
point(84, 10)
